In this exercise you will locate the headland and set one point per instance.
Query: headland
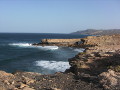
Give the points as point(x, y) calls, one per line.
point(97, 68)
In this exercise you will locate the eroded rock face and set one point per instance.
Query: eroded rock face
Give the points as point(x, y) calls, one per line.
point(59, 40)
point(102, 40)
point(101, 54)
point(93, 61)
point(98, 67)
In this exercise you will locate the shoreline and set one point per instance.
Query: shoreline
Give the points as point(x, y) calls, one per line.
point(97, 68)
point(59, 42)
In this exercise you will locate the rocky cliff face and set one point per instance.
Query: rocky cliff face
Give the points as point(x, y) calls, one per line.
point(102, 40)
point(100, 62)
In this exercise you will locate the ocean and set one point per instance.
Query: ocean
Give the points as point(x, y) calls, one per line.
point(17, 53)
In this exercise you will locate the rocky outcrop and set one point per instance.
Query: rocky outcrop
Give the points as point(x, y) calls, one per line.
point(98, 67)
point(101, 41)
point(53, 41)
point(58, 42)
point(101, 57)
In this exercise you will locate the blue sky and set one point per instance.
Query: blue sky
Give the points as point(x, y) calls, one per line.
point(58, 16)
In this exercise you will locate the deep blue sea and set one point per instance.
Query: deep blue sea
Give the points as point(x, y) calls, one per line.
point(17, 53)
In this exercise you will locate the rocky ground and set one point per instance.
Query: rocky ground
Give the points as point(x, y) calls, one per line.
point(97, 68)
point(35, 81)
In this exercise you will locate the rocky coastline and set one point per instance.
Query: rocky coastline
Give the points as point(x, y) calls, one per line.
point(97, 68)
point(58, 42)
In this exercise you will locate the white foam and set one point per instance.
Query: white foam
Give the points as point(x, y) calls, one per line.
point(79, 50)
point(53, 65)
point(29, 45)
point(49, 47)
point(21, 44)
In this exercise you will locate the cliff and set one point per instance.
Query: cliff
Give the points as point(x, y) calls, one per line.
point(100, 62)
point(98, 32)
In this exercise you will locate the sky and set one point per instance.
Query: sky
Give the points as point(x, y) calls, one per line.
point(58, 16)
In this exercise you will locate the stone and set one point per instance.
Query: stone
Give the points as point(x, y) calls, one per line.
point(3, 74)
point(110, 79)
point(28, 80)
point(2, 88)
point(23, 85)
point(27, 88)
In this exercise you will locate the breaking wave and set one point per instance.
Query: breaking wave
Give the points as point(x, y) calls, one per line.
point(29, 45)
point(21, 44)
point(53, 65)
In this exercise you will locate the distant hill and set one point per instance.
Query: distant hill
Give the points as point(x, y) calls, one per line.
point(97, 32)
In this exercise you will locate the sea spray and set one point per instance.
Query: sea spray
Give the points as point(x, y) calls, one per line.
point(53, 65)
point(29, 45)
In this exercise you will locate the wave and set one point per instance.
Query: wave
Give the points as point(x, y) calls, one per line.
point(49, 47)
point(53, 65)
point(29, 45)
point(21, 44)
point(79, 50)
